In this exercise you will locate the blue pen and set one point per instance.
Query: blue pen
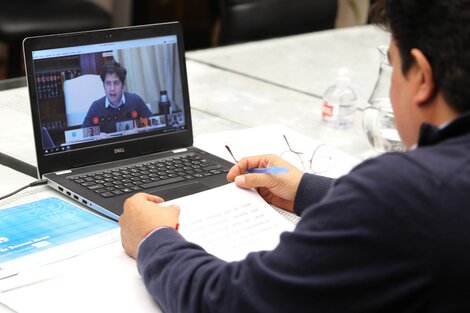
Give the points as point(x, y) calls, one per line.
point(268, 170)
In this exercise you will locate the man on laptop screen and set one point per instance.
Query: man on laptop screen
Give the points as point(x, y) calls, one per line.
point(117, 105)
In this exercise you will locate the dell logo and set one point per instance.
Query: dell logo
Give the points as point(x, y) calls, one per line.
point(119, 150)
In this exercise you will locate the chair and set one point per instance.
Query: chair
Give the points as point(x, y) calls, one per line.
point(79, 94)
point(23, 18)
point(247, 20)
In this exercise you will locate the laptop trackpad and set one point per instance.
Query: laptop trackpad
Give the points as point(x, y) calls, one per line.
point(179, 191)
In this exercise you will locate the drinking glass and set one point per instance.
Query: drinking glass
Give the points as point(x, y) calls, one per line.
point(378, 118)
point(387, 137)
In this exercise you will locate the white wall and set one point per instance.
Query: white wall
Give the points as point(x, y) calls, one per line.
point(352, 12)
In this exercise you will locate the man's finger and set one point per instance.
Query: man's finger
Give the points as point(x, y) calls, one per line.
point(254, 180)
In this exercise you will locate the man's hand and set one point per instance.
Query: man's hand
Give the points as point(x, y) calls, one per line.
point(141, 215)
point(277, 189)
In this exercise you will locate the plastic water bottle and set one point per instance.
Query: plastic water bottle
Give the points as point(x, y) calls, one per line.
point(339, 102)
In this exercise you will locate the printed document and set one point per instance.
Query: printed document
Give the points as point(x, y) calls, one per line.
point(48, 230)
point(230, 222)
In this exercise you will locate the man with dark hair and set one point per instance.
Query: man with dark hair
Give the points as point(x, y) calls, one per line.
point(117, 105)
point(390, 236)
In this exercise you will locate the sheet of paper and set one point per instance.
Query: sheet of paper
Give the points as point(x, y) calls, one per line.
point(48, 230)
point(230, 222)
point(101, 280)
point(268, 139)
point(4, 308)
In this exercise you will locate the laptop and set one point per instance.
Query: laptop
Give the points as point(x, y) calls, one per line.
point(111, 116)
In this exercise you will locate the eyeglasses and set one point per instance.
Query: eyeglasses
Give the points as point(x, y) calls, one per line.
point(319, 161)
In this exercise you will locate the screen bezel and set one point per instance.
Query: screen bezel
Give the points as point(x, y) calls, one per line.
point(107, 151)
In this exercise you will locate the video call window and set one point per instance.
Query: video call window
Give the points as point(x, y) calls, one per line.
point(92, 93)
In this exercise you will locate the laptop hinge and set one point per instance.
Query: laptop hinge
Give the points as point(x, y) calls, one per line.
point(63, 172)
point(180, 150)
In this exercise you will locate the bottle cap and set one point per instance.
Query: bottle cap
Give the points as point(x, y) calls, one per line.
point(342, 76)
point(343, 71)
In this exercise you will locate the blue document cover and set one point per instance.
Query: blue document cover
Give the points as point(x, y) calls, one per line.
point(46, 223)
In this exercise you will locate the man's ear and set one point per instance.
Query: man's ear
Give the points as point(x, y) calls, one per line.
point(422, 77)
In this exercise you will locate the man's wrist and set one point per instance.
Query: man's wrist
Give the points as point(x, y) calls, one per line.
point(150, 233)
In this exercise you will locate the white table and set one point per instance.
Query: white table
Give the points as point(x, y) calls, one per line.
point(249, 102)
point(306, 63)
point(302, 67)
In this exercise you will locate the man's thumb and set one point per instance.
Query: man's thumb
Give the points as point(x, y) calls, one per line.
point(253, 180)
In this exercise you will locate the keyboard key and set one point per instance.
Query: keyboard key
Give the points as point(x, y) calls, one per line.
point(162, 182)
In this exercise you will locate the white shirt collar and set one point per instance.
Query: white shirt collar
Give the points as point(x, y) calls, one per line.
point(107, 103)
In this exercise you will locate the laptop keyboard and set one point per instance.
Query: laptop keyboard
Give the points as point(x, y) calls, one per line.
point(118, 181)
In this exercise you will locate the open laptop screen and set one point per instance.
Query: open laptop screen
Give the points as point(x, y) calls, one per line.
point(108, 92)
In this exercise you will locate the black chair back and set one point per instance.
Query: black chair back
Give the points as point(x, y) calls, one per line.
point(247, 20)
point(24, 18)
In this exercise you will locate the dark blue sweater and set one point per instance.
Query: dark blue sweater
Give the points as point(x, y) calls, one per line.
point(107, 118)
point(391, 236)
